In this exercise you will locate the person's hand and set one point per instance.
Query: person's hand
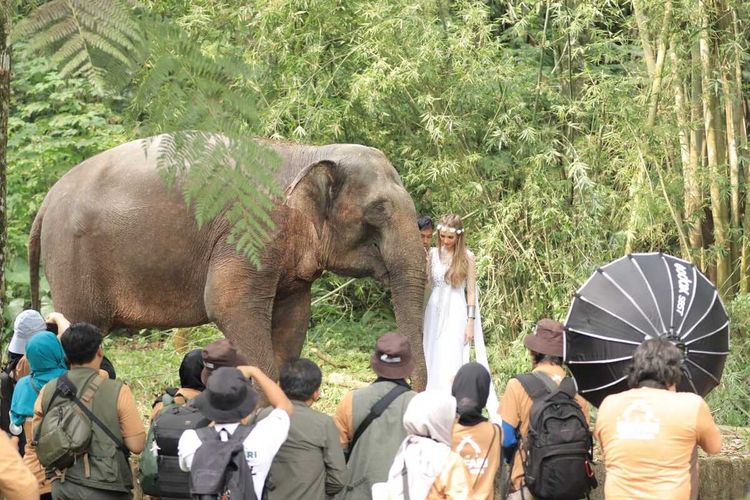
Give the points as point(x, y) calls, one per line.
point(469, 331)
point(247, 370)
point(55, 317)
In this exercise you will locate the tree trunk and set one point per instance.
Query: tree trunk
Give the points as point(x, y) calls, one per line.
point(4, 108)
point(715, 151)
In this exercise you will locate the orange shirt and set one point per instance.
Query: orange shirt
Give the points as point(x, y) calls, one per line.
point(515, 409)
point(648, 437)
point(474, 443)
point(31, 461)
point(16, 481)
point(452, 482)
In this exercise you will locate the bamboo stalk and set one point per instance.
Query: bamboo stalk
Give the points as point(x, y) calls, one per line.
point(659, 66)
point(714, 152)
point(692, 184)
point(740, 131)
point(648, 52)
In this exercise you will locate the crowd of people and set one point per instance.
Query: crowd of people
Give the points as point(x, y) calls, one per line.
point(229, 431)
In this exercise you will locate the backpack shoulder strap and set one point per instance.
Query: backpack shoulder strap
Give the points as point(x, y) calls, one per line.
point(242, 432)
point(207, 433)
point(535, 387)
point(568, 386)
point(551, 384)
point(92, 385)
point(495, 430)
point(377, 410)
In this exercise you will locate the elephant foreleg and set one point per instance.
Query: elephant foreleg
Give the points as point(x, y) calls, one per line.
point(240, 301)
point(291, 316)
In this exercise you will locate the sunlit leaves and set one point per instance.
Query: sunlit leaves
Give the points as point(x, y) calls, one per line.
point(203, 102)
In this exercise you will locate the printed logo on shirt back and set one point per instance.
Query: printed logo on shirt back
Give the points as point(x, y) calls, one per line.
point(472, 455)
point(638, 422)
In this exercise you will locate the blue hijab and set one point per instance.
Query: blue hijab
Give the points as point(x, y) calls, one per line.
point(47, 361)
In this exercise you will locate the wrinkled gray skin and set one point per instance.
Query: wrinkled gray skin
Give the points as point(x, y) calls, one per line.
point(120, 250)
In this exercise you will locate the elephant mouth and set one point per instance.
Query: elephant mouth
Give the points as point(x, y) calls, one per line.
point(384, 278)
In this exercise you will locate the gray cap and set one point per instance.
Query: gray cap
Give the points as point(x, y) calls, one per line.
point(28, 323)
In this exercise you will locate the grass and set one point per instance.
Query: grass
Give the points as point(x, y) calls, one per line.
point(342, 346)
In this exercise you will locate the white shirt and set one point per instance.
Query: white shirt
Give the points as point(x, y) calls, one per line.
point(260, 445)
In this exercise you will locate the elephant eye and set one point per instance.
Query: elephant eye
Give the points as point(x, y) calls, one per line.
point(378, 212)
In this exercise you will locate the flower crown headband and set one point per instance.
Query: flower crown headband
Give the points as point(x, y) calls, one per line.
point(452, 230)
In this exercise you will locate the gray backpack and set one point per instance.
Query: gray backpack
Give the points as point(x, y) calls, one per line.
point(219, 469)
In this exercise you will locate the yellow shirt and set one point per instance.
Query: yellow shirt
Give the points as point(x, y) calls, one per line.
point(648, 437)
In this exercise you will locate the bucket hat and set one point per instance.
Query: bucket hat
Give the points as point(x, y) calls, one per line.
point(547, 338)
point(217, 354)
point(229, 397)
point(28, 323)
point(392, 358)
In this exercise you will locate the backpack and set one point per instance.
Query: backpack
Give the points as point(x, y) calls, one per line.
point(558, 449)
point(159, 469)
point(7, 386)
point(219, 469)
point(65, 431)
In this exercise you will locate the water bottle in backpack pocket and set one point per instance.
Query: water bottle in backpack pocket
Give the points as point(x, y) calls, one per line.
point(159, 470)
point(558, 448)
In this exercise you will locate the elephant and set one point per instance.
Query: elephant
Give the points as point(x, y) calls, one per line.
point(121, 249)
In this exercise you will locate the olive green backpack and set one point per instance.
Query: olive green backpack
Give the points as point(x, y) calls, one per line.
point(65, 431)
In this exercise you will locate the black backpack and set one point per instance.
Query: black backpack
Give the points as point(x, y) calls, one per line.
point(558, 449)
point(219, 469)
point(159, 471)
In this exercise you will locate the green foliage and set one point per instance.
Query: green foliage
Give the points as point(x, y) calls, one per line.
point(202, 102)
point(54, 123)
point(84, 36)
point(193, 97)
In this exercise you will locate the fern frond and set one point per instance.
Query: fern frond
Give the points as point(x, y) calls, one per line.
point(106, 47)
point(79, 63)
point(85, 36)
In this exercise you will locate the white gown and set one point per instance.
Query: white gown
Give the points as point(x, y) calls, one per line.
point(443, 335)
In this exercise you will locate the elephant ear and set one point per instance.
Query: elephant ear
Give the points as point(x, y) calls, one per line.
point(312, 191)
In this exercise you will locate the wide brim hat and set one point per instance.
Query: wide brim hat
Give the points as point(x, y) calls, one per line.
point(220, 353)
point(229, 396)
point(547, 338)
point(392, 358)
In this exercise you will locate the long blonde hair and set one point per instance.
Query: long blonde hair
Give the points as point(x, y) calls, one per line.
point(459, 268)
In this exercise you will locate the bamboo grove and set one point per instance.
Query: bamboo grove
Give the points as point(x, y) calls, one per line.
point(694, 54)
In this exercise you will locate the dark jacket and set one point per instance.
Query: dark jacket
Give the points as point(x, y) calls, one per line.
point(310, 464)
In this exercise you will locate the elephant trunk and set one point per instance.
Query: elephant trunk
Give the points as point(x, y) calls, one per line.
point(405, 261)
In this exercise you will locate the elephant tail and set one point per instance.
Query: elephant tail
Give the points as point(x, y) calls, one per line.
point(34, 250)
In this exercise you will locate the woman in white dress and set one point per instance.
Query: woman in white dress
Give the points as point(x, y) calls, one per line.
point(452, 319)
